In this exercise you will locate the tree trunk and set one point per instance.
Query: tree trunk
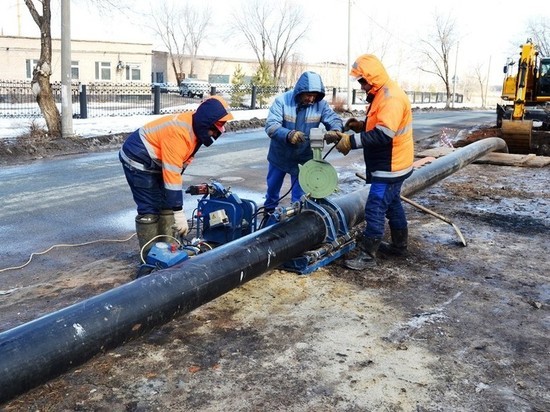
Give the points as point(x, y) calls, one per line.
point(44, 97)
point(40, 83)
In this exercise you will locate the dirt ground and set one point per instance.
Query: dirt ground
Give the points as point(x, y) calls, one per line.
point(446, 328)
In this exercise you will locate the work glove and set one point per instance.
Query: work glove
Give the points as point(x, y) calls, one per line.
point(357, 126)
point(180, 223)
point(344, 144)
point(295, 137)
point(332, 136)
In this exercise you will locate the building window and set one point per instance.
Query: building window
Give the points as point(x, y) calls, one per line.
point(133, 72)
point(30, 64)
point(75, 73)
point(102, 70)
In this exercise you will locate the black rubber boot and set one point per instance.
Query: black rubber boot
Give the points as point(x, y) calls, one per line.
point(398, 244)
point(367, 255)
point(146, 229)
point(165, 223)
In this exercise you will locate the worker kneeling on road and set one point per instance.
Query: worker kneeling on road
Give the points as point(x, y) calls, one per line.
point(154, 158)
point(386, 137)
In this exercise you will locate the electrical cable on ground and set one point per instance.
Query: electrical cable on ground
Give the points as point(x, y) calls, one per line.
point(66, 245)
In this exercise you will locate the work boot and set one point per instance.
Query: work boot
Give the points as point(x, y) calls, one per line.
point(398, 244)
point(146, 229)
point(165, 223)
point(367, 255)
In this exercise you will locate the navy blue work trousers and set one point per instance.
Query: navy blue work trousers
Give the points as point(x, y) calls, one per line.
point(275, 179)
point(384, 201)
point(147, 190)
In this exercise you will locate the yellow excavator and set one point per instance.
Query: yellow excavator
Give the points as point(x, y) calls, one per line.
point(524, 118)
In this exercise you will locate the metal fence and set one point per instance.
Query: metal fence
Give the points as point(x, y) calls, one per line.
point(127, 99)
point(111, 99)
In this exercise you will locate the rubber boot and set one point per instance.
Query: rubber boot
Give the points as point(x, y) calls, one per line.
point(165, 223)
point(367, 256)
point(398, 244)
point(146, 229)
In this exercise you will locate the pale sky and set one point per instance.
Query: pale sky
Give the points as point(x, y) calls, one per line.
point(489, 30)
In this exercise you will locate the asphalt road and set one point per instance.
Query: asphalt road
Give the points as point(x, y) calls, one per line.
point(76, 199)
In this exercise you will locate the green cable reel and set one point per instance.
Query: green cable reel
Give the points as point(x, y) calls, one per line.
point(317, 177)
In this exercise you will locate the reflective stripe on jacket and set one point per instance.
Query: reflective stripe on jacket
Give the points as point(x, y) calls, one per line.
point(285, 114)
point(165, 144)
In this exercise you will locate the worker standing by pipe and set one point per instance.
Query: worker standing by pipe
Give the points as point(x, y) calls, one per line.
point(386, 137)
point(290, 119)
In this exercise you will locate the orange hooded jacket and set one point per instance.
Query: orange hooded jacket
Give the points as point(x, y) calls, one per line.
point(168, 144)
point(387, 141)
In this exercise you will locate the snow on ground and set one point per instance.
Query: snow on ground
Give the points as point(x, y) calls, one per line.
point(11, 128)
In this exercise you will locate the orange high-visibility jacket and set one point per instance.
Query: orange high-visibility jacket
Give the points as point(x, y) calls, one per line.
point(168, 144)
point(388, 137)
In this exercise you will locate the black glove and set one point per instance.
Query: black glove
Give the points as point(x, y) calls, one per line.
point(357, 126)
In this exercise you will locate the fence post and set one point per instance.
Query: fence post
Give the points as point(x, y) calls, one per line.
point(353, 96)
point(212, 90)
point(82, 98)
point(253, 98)
point(156, 99)
point(333, 95)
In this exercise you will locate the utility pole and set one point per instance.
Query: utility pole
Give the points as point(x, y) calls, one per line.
point(487, 84)
point(349, 55)
point(18, 19)
point(454, 78)
point(66, 95)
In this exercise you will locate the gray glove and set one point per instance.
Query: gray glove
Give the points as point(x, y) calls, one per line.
point(180, 224)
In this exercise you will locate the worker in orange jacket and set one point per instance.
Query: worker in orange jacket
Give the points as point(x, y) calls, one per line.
point(386, 137)
point(154, 158)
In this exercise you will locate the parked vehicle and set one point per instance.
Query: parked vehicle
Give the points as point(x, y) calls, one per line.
point(194, 87)
point(165, 87)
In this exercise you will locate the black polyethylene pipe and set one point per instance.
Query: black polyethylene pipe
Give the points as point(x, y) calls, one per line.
point(44, 348)
point(353, 204)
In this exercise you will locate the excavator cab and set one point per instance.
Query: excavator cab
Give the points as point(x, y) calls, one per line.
point(543, 86)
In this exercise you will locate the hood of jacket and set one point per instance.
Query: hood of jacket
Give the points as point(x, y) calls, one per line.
point(309, 82)
point(371, 69)
point(209, 112)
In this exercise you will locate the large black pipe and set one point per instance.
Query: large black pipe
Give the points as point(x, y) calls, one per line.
point(39, 350)
point(44, 348)
point(352, 204)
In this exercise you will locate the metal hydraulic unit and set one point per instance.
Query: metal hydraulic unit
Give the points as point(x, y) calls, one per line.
point(221, 216)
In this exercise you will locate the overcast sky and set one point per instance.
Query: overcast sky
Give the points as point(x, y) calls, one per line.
point(489, 30)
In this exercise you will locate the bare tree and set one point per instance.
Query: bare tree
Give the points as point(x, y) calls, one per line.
point(437, 48)
point(42, 73)
point(196, 22)
point(539, 31)
point(481, 79)
point(272, 30)
point(40, 83)
point(181, 28)
point(167, 25)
